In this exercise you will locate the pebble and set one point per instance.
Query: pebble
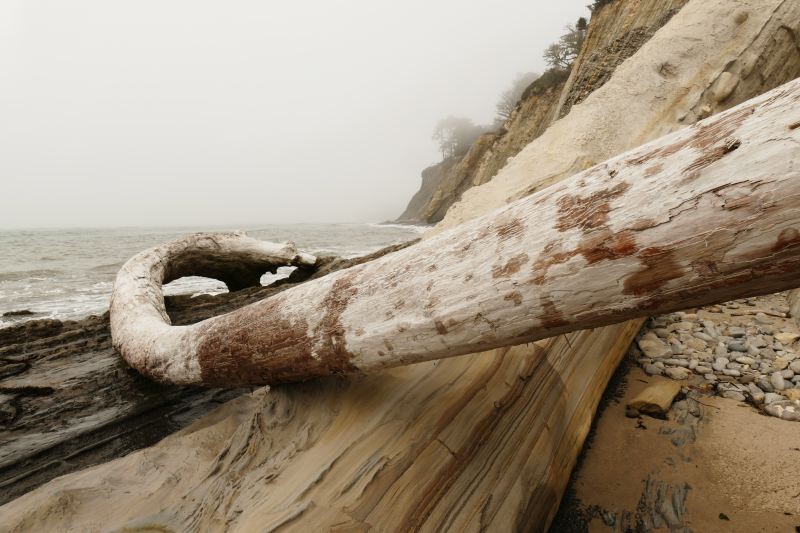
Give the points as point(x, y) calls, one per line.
point(653, 370)
point(746, 358)
point(761, 318)
point(777, 381)
point(677, 373)
point(772, 397)
point(792, 394)
point(784, 409)
point(696, 344)
point(733, 395)
point(736, 332)
point(703, 337)
point(764, 384)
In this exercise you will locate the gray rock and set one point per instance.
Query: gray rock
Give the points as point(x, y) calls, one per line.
point(660, 365)
point(784, 409)
point(709, 324)
point(710, 377)
point(662, 333)
point(747, 378)
point(644, 361)
point(761, 318)
point(732, 373)
point(702, 370)
point(764, 384)
point(758, 343)
point(794, 366)
point(755, 395)
point(752, 350)
point(781, 309)
point(719, 366)
point(704, 337)
point(737, 347)
point(676, 350)
point(733, 366)
point(745, 360)
point(777, 381)
point(772, 397)
point(721, 351)
point(693, 364)
point(736, 332)
point(653, 370)
point(733, 395)
point(650, 336)
point(787, 374)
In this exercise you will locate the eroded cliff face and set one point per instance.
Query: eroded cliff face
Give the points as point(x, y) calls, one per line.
point(616, 32)
point(445, 183)
point(710, 56)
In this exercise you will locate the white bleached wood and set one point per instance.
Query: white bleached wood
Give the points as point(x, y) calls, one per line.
point(709, 213)
point(140, 327)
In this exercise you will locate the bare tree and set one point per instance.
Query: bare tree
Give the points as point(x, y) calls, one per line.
point(510, 96)
point(561, 54)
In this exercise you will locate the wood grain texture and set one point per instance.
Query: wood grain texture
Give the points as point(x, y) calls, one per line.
point(484, 442)
point(706, 214)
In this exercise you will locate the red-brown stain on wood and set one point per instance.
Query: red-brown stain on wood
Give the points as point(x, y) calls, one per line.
point(588, 212)
point(659, 267)
point(511, 267)
point(622, 244)
point(788, 237)
point(509, 229)
point(281, 349)
point(516, 296)
point(440, 327)
point(552, 318)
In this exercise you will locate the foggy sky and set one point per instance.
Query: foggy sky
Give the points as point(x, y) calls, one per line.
point(200, 113)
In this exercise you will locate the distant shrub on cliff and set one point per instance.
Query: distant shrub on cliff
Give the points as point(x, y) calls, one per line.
point(550, 78)
point(510, 96)
point(456, 135)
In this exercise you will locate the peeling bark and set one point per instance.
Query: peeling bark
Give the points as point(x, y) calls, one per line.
point(709, 213)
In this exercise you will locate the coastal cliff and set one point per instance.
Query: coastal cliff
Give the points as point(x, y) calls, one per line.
point(484, 442)
point(616, 31)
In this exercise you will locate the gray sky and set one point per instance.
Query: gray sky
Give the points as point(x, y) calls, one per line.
point(201, 113)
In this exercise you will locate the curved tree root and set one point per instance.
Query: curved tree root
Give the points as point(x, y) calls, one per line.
point(708, 213)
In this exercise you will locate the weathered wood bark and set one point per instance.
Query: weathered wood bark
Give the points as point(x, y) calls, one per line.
point(140, 327)
point(708, 213)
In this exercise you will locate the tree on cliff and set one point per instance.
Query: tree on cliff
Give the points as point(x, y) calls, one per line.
point(456, 135)
point(510, 96)
point(561, 54)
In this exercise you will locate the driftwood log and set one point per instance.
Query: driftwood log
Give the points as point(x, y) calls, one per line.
point(706, 214)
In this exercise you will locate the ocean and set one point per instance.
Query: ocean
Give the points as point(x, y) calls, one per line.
point(67, 274)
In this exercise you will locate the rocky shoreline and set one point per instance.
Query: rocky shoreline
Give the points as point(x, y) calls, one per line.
point(745, 350)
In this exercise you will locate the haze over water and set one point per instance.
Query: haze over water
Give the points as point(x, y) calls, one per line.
point(68, 273)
